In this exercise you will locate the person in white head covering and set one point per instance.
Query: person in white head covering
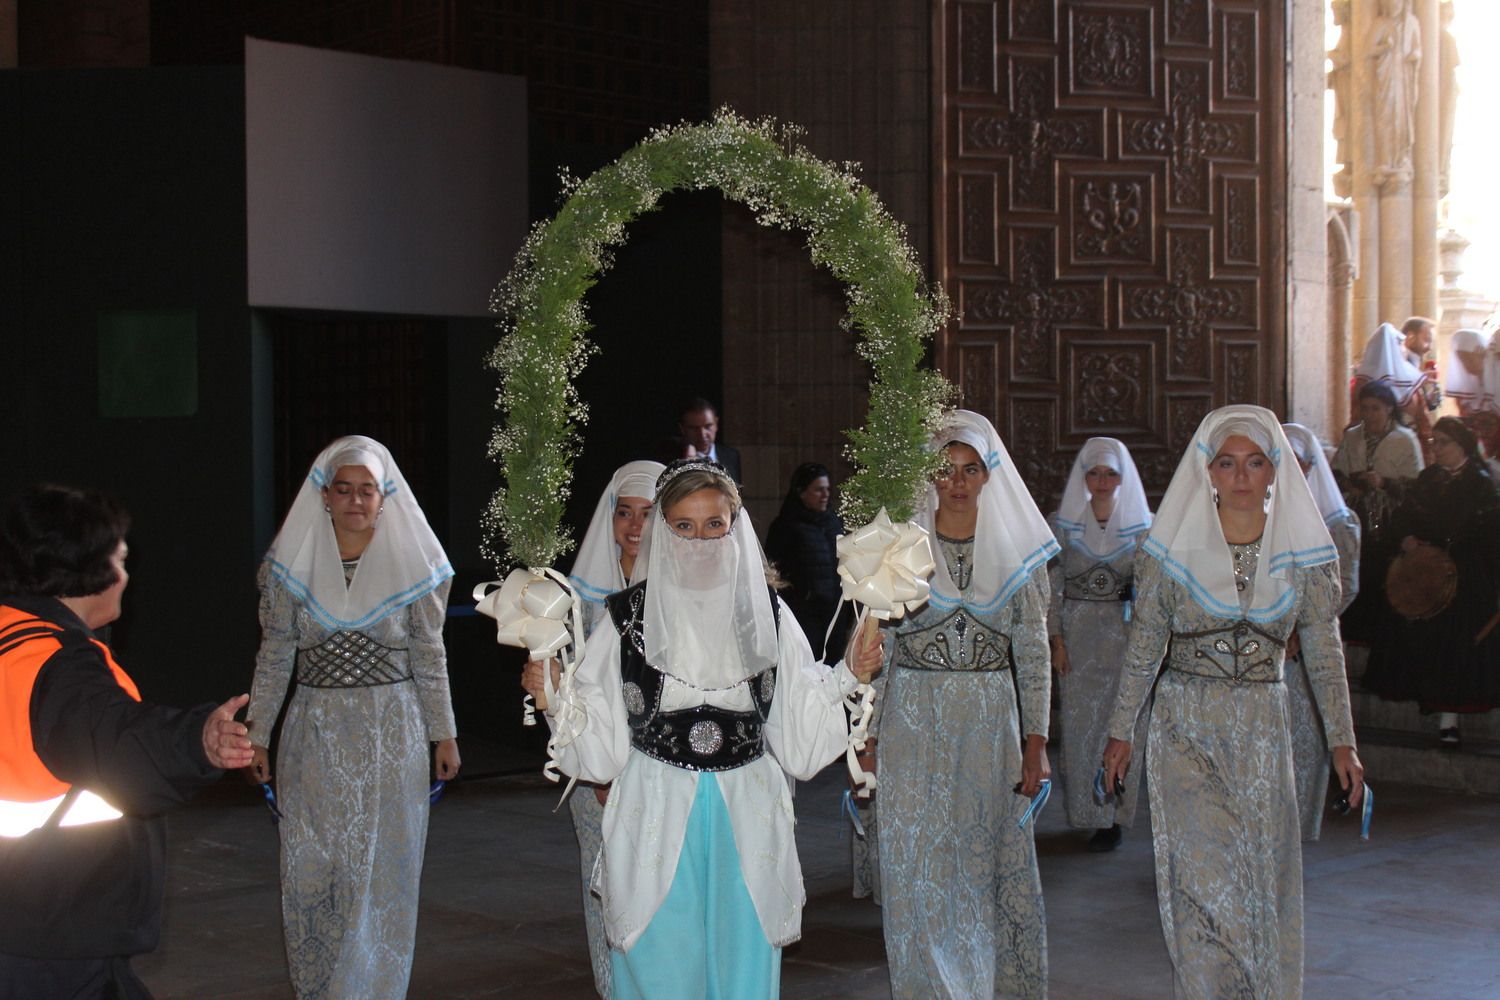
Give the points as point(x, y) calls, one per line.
point(1310, 760)
point(1238, 556)
point(1376, 462)
point(354, 593)
point(604, 564)
point(1464, 378)
point(698, 697)
point(1102, 519)
point(1386, 361)
point(951, 739)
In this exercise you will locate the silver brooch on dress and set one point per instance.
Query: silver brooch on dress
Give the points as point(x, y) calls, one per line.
point(767, 685)
point(705, 738)
point(635, 701)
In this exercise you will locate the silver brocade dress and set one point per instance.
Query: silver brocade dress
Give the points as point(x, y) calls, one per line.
point(962, 900)
point(351, 781)
point(1089, 614)
point(1219, 771)
point(1311, 758)
point(588, 827)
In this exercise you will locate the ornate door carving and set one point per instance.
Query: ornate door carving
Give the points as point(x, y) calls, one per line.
point(1109, 219)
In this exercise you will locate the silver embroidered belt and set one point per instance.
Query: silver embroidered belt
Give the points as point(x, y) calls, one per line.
point(351, 660)
point(704, 738)
point(1099, 582)
point(1242, 653)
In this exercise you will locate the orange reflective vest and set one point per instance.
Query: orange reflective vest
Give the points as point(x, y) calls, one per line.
point(26, 643)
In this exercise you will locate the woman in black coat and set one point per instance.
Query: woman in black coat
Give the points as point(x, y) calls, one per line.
point(1449, 663)
point(802, 541)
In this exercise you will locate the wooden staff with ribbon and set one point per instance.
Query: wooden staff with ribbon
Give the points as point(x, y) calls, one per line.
point(883, 569)
point(539, 611)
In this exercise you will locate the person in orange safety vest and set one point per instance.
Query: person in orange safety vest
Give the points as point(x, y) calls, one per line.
point(87, 768)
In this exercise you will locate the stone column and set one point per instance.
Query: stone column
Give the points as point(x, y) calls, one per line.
point(1427, 165)
point(1365, 309)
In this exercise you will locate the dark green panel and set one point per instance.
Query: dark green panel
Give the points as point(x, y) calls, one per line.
point(148, 363)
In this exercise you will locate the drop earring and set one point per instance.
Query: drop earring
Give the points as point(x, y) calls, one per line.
point(1215, 491)
point(1266, 504)
point(327, 509)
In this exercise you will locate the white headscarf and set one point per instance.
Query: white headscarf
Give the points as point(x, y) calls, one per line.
point(708, 616)
point(1490, 399)
point(1463, 388)
point(403, 562)
point(1188, 540)
point(1325, 491)
point(596, 570)
point(1131, 514)
point(1385, 361)
point(1011, 538)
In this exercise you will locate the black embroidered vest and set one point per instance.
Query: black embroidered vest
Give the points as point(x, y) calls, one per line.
point(704, 738)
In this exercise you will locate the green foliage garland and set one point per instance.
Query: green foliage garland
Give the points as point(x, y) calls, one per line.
point(760, 164)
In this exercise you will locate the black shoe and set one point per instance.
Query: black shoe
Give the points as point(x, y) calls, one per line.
point(1104, 841)
point(1448, 738)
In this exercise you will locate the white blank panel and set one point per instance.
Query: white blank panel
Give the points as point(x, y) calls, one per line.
point(380, 185)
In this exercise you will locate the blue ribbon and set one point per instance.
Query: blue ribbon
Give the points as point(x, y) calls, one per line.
point(270, 795)
point(1100, 794)
point(1369, 810)
point(847, 808)
point(1037, 801)
point(436, 791)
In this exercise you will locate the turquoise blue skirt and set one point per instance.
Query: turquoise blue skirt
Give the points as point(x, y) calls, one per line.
point(705, 942)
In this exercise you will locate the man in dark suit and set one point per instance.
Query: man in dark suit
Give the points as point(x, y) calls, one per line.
point(697, 429)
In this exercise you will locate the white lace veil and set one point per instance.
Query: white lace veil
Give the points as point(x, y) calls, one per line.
point(1385, 361)
point(403, 562)
point(1320, 479)
point(1011, 538)
point(1462, 387)
point(708, 616)
point(596, 569)
point(1131, 514)
point(1188, 540)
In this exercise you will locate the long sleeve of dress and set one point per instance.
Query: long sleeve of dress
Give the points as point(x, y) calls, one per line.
point(275, 659)
point(1030, 652)
point(1345, 532)
point(599, 751)
point(1150, 631)
point(1055, 588)
point(429, 662)
point(1323, 653)
point(806, 726)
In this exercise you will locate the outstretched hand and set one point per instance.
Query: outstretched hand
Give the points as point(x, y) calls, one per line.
point(226, 743)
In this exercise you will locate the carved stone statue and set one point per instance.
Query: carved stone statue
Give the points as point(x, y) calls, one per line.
point(1396, 50)
point(1448, 96)
point(1339, 74)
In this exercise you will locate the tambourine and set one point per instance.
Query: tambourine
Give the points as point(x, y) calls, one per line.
point(1421, 583)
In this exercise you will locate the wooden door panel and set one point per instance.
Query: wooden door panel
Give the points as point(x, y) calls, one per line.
point(1109, 178)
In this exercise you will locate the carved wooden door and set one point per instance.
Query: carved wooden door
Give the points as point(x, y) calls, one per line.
point(1109, 219)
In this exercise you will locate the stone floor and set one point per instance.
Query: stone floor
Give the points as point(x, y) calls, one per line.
point(1414, 913)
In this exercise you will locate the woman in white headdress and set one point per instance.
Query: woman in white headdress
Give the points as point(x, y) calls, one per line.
point(699, 698)
point(1310, 758)
point(1385, 361)
point(602, 567)
point(354, 593)
point(1103, 517)
point(1376, 462)
point(1463, 378)
point(1237, 558)
point(961, 897)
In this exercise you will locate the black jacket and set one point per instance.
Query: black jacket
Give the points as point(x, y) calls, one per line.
point(96, 890)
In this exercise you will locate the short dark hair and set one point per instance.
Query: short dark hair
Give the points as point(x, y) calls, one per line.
point(1386, 395)
point(57, 541)
point(697, 404)
point(1415, 323)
